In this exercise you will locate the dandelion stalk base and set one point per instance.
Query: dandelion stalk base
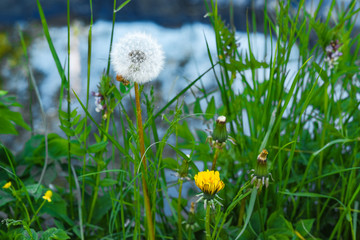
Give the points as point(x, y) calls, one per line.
point(143, 159)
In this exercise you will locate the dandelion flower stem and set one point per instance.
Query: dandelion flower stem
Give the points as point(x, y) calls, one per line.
point(143, 159)
point(261, 218)
point(189, 234)
point(242, 211)
point(179, 211)
point(216, 154)
point(207, 222)
point(140, 127)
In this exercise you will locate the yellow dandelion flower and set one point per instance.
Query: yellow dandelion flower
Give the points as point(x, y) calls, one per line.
point(47, 196)
point(209, 182)
point(7, 185)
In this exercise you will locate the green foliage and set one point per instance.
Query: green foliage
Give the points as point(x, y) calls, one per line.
point(8, 118)
point(54, 234)
point(304, 111)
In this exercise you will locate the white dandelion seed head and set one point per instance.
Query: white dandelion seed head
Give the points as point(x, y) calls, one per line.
point(137, 57)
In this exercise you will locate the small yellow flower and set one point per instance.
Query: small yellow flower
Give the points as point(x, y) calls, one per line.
point(48, 195)
point(209, 182)
point(7, 185)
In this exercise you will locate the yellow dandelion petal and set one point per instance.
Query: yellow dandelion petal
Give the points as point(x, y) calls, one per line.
point(209, 182)
point(47, 196)
point(7, 185)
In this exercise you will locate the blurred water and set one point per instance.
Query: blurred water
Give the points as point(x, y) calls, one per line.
point(186, 58)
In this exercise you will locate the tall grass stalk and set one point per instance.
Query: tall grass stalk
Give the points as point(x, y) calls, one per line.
point(87, 102)
point(69, 111)
point(179, 210)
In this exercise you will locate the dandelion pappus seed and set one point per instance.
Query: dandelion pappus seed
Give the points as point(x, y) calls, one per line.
point(137, 57)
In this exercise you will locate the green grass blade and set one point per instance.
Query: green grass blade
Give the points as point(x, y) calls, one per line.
point(249, 211)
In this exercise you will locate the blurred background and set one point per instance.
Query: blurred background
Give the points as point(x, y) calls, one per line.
point(172, 13)
point(180, 26)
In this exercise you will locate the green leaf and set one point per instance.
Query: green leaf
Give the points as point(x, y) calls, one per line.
point(170, 163)
point(102, 206)
point(60, 69)
point(35, 191)
point(57, 209)
point(26, 235)
point(65, 122)
point(76, 120)
point(73, 113)
point(210, 110)
point(58, 147)
point(9, 118)
point(186, 109)
point(277, 224)
point(18, 119)
point(321, 72)
point(275, 236)
point(63, 115)
point(249, 211)
point(184, 131)
point(79, 127)
point(117, 94)
point(97, 147)
point(54, 233)
point(67, 131)
point(6, 127)
point(5, 198)
point(122, 5)
point(106, 182)
point(312, 195)
point(178, 151)
point(202, 135)
point(197, 107)
point(304, 226)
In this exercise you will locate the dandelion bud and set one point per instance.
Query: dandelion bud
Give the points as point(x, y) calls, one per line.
point(219, 136)
point(137, 57)
point(220, 133)
point(184, 169)
point(260, 177)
